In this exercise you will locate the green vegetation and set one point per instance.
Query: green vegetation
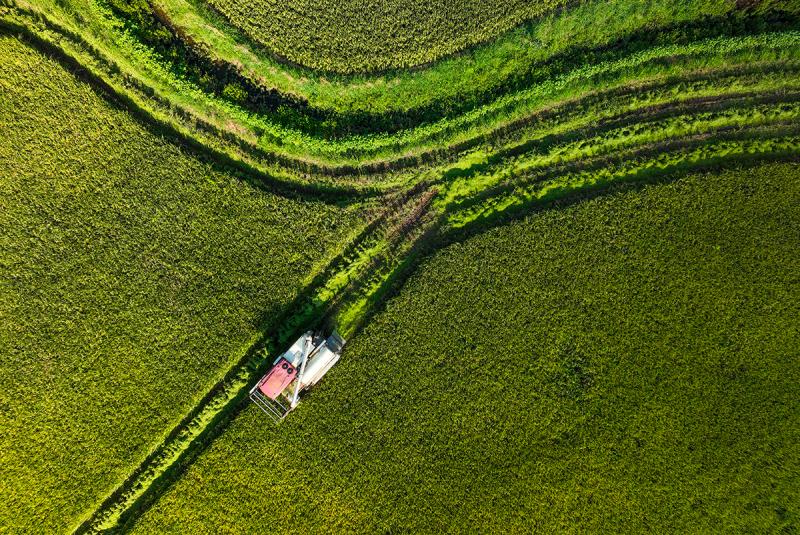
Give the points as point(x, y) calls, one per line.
point(133, 275)
point(295, 133)
point(486, 70)
point(625, 364)
point(356, 35)
point(223, 176)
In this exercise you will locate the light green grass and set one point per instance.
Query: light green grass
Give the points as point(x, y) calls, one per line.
point(639, 346)
point(592, 23)
point(626, 364)
point(132, 275)
point(655, 62)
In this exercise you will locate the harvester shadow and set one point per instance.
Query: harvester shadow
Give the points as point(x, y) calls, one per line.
point(294, 318)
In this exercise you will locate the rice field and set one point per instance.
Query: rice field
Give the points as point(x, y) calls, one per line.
point(133, 275)
point(600, 192)
point(624, 364)
point(358, 36)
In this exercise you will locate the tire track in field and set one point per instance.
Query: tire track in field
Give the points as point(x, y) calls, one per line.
point(222, 402)
point(590, 147)
point(389, 248)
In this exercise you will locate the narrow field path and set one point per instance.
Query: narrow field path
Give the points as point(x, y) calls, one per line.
point(209, 417)
point(561, 126)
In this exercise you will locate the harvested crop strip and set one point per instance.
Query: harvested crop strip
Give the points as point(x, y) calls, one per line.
point(183, 195)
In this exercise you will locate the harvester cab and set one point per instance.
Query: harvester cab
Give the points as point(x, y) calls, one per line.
point(300, 367)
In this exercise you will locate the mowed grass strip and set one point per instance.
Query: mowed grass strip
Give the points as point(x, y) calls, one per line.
point(626, 364)
point(481, 70)
point(131, 275)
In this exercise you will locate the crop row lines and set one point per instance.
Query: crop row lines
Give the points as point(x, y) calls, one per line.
point(597, 107)
point(701, 151)
point(648, 125)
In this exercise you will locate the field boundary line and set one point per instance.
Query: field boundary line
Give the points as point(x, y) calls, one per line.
point(528, 177)
point(324, 191)
point(444, 236)
point(192, 138)
point(253, 158)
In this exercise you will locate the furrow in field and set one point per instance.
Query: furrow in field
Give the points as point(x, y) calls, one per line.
point(586, 110)
point(647, 163)
point(583, 147)
point(563, 129)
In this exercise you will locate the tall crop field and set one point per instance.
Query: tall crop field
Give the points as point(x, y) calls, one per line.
point(552, 330)
point(356, 35)
point(132, 275)
point(625, 364)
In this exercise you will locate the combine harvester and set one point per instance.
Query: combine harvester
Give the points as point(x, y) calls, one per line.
point(299, 368)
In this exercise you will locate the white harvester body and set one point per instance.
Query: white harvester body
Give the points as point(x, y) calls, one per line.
point(295, 353)
point(321, 360)
point(296, 369)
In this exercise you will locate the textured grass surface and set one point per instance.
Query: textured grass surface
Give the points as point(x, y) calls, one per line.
point(131, 275)
point(639, 346)
point(626, 364)
point(482, 69)
point(431, 107)
point(358, 35)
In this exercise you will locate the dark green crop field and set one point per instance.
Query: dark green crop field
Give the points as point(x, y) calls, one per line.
point(358, 35)
point(132, 276)
point(627, 364)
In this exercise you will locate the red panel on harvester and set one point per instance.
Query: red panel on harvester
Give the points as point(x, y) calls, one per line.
point(277, 379)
